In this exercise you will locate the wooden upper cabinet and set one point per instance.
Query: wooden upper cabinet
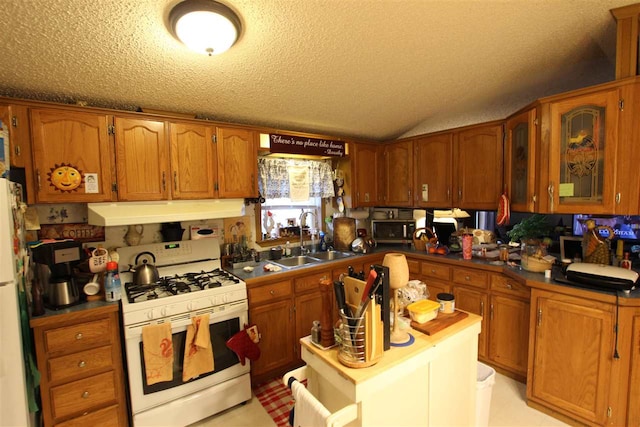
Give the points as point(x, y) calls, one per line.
point(433, 170)
point(477, 162)
point(582, 141)
point(142, 159)
point(520, 165)
point(366, 169)
point(398, 171)
point(237, 162)
point(194, 163)
point(72, 156)
point(627, 183)
point(16, 119)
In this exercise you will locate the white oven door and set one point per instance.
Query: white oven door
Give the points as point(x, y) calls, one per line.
point(223, 324)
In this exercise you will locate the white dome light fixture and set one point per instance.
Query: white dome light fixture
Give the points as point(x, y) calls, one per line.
point(205, 26)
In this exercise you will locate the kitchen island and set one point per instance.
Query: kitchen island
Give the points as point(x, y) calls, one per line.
point(430, 382)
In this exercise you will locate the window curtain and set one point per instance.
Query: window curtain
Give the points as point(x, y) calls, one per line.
point(274, 182)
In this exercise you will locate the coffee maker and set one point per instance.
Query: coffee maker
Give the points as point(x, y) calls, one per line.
point(54, 263)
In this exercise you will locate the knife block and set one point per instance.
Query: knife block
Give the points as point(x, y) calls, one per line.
point(362, 342)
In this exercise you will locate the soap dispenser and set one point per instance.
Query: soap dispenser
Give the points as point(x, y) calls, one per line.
point(323, 243)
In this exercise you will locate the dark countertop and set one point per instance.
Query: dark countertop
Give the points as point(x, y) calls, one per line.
point(78, 308)
point(516, 272)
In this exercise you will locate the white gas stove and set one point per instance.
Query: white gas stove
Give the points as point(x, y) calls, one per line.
point(190, 280)
point(191, 284)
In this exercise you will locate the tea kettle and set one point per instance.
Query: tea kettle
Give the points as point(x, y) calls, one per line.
point(145, 273)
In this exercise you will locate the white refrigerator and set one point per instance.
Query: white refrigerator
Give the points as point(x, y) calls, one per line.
point(14, 408)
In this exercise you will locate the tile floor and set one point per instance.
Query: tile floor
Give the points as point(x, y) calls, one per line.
point(508, 408)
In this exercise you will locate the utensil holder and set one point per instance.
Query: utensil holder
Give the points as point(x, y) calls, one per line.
point(360, 339)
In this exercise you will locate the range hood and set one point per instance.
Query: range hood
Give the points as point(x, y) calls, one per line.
point(127, 213)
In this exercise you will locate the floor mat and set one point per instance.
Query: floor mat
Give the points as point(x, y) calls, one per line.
point(276, 399)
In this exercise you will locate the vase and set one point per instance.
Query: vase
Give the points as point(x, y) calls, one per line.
point(134, 235)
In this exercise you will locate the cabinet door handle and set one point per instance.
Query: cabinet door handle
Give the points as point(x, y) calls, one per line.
point(164, 181)
point(551, 201)
point(85, 394)
point(79, 336)
point(618, 197)
point(175, 180)
point(491, 311)
point(539, 316)
point(16, 150)
point(482, 308)
point(38, 179)
point(459, 194)
point(82, 364)
point(448, 194)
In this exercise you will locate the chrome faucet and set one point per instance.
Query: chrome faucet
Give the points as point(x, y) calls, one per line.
point(303, 250)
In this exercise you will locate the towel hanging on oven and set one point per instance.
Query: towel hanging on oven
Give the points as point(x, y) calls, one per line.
point(198, 351)
point(157, 352)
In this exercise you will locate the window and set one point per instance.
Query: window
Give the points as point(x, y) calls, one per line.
point(290, 187)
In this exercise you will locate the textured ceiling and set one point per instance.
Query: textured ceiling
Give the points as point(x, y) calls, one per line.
point(370, 69)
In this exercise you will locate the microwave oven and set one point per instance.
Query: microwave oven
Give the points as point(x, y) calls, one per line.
point(393, 230)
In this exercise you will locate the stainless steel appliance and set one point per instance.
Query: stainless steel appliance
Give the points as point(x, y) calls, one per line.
point(393, 230)
point(191, 283)
point(54, 263)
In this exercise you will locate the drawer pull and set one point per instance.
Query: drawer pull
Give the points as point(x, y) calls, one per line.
point(79, 336)
point(433, 271)
point(272, 292)
point(509, 286)
point(85, 395)
point(467, 278)
point(81, 364)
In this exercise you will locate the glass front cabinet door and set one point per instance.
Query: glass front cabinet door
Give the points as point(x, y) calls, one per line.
point(520, 158)
point(583, 133)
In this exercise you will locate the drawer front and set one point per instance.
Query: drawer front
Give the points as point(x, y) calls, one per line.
point(309, 283)
point(467, 276)
point(80, 364)
point(509, 286)
point(80, 336)
point(270, 292)
point(414, 266)
point(105, 417)
point(437, 271)
point(82, 395)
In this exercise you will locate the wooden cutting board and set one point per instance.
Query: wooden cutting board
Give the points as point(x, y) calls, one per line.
point(353, 289)
point(439, 323)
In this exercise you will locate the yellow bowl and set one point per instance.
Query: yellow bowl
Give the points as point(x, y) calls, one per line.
point(424, 310)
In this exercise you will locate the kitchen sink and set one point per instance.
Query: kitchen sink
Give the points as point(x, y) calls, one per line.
point(331, 255)
point(296, 261)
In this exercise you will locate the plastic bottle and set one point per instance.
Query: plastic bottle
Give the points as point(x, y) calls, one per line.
point(323, 244)
point(112, 285)
point(626, 262)
point(287, 249)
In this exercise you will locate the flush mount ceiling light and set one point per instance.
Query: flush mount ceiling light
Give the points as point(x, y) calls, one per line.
point(205, 26)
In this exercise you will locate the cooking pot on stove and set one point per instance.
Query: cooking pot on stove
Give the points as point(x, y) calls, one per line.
point(145, 273)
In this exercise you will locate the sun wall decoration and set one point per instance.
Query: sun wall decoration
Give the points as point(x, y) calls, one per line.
point(65, 177)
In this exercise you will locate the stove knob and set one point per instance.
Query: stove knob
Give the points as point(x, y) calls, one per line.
point(190, 306)
point(163, 311)
point(150, 314)
point(225, 298)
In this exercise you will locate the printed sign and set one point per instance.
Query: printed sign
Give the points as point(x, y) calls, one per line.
point(79, 232)
point(303, 145)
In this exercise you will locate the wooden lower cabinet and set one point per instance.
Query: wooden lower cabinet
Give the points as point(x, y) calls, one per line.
point(474, 301)
point(80, 360)
point(509, 333)
point(571, 349)
point(276, 336)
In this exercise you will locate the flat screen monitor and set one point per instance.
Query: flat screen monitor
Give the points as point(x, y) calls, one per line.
point(625, 227)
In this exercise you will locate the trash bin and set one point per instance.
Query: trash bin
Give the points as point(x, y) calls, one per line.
point(485, 380)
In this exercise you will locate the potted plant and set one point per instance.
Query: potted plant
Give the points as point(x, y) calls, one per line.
point(533, 232)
